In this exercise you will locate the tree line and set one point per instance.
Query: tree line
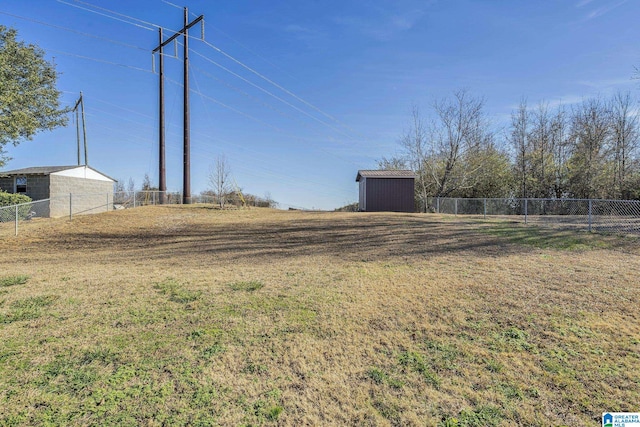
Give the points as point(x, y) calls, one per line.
point(587, 150)
point(220, 192)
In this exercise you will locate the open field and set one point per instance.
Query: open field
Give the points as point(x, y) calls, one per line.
point(192, 316)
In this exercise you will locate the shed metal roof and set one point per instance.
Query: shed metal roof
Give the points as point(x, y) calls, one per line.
point(38, 170)
point(385, 174)
point(46, 170)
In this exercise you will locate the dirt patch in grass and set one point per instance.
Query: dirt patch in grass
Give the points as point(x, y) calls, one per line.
point(190, 315)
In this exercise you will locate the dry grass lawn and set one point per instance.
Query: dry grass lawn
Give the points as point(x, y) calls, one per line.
point(195, 316)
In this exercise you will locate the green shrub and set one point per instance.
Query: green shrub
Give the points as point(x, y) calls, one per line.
point(10, 199)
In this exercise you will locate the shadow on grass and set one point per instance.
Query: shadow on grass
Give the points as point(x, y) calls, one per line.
point(358, 237)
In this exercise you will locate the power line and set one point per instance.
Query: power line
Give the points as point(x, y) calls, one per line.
point(116, 13)
point(288, 92)
point(269, 93)
point(251, 51)
point(235, 41)
point(105, 15)
point(71, 30)
point(122, 108)
point(260, 121)
point(253, 98)
point(278, 111)
point(99, 60)
point(171, 4)
point(225, 105)
point(208, 114)
point(219, 51)
point(271, 107)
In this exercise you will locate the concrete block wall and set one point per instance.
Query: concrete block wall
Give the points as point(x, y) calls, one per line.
point(37, 189)
point(6, 184)
point(89, 195)
point(37, 186)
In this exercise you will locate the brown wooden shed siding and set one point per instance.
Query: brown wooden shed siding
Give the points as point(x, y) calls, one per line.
point(389, 195)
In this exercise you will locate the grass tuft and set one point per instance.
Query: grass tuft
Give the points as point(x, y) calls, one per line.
point(378, 376)
point(547, 238)
point(250, 286)
point(176, 292)
point(416, 362)
point(213, 351)
point(485, 416)
point(13, 280)
point(274, 412)
point(27, 308)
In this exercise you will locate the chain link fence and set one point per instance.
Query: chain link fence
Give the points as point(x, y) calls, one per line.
point(612, 216)
point(14, 218)
point(134, 199)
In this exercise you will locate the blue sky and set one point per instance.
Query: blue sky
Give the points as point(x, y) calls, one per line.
point(308, 92)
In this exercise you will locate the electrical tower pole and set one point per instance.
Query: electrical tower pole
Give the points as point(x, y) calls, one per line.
point(186, 177)
point(80, 103)
point(84, 131)
point(162, 172)
point(75, 108)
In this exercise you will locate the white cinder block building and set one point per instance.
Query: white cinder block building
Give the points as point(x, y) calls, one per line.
point(89, 189)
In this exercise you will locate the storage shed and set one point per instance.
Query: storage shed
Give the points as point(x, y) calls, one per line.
point(386, 190)
point(89, 188)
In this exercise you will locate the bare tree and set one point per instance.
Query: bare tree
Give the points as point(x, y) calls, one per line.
point(589, 133)
point(541, 155)
point(519, 138)
point(131, 186)
point(392, 163)
point(414, 144)
point(560, 153)
point(219, 179)
point(459, 130)
point(624, 142)
point(448, 154)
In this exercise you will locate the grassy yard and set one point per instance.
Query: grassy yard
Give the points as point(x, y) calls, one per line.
point(194, 316)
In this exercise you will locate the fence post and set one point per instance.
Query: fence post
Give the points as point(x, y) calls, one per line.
point(590, 215)
point(525, 210)
point(16, 220)
point(70, 206)
point(134, 199)
point(456, 206)
point(485, 208)
point(437, 204)
point(154, 198)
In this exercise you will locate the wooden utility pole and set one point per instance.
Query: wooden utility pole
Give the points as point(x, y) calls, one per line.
point(84, 131)
point(162, 172)
point(77, 129)
point(186, 177)
point(80, 103)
